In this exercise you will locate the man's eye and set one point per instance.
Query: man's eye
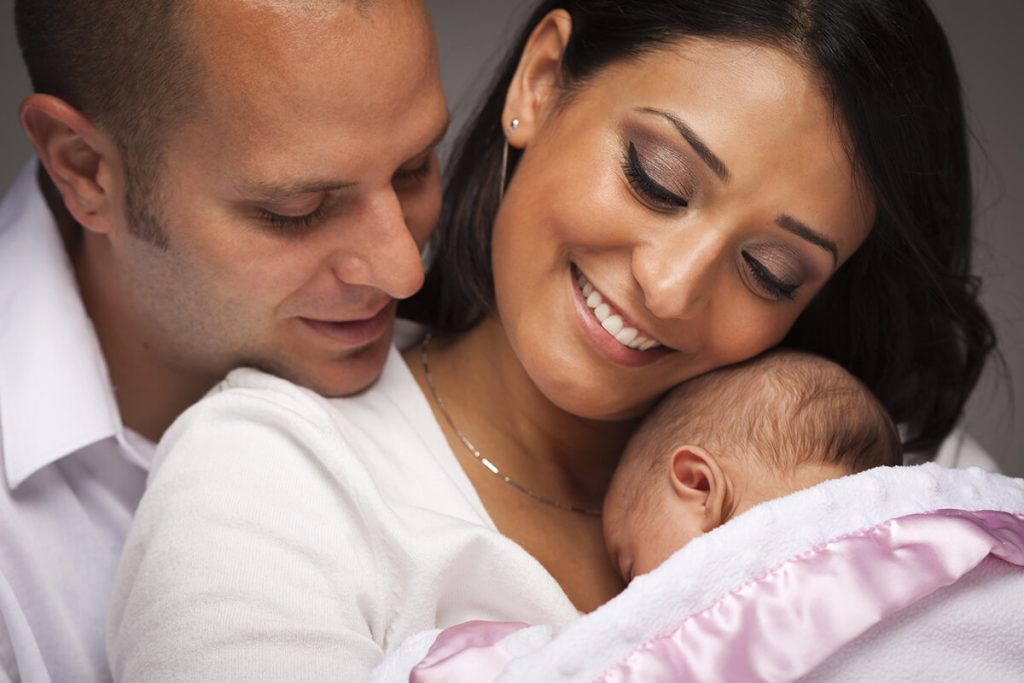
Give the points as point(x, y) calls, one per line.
point(416, 173)
point(291, 224)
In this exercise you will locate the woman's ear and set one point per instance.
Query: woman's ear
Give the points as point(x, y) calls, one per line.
point(83, 161)
point(529, 95)
point(698, 479)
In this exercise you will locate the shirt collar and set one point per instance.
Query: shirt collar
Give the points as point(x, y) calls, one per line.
point(55, 392)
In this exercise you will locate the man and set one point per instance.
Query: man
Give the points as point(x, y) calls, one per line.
point(219, 183)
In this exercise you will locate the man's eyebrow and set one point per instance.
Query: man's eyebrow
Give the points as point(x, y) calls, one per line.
point(269, 191)
point(702, 150)
point(787, 222)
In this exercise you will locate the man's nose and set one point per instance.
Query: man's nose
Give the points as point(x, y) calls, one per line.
point(677, 274)
point(380, 250)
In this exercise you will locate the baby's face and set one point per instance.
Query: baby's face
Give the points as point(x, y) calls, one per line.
point(641, 534)
point(646, 522)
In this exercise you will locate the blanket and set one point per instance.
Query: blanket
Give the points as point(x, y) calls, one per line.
point(894, 574)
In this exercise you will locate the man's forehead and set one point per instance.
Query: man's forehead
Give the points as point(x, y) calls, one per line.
point(289, 103)
point(244, 12)
point(252, 42)
point(310, 8)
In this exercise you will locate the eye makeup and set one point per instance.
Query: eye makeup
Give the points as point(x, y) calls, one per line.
point(774, 270)
point(658, 173)
point(665, 174)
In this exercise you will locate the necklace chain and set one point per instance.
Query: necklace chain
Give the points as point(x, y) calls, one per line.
point(491, 467)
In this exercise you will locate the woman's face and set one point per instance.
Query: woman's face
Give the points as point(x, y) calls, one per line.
point(691, 202)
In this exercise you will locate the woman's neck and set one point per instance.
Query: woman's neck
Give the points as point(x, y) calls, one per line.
point(493, 402)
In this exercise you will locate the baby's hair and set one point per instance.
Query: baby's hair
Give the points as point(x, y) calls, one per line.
point(781, 409)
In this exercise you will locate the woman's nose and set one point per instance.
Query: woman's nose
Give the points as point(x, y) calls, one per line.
point(677, 274)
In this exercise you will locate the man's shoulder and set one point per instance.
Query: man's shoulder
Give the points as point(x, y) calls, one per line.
point(252, 407)
point(250, 395)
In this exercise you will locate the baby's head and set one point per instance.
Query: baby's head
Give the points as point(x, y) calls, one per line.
point(721, 443)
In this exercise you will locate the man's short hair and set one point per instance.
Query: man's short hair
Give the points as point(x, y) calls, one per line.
point(127, 66)
point(131, 67)
point(781, 409)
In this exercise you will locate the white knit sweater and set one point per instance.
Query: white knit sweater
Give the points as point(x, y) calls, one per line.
point(285, 536)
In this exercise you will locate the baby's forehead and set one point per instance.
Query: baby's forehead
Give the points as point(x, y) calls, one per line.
point(721, 406)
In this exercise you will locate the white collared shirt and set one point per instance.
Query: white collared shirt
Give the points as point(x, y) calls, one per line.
point(72, 473)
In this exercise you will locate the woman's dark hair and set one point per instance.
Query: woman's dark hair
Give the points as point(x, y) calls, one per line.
point(902, 314)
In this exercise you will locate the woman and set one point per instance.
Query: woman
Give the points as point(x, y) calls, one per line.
point(688, 184)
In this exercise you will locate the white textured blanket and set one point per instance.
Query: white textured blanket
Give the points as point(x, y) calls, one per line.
point(895, 574)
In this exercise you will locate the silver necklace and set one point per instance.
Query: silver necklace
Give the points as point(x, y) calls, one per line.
point(491, 467)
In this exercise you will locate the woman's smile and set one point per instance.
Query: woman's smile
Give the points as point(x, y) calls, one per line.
point(611, 330)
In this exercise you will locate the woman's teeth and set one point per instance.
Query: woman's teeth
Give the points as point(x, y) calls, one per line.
point(611, 321)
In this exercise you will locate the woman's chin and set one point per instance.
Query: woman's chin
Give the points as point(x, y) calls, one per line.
point(593, 401)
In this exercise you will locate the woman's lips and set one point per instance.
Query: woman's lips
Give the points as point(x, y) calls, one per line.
point(354, 333)
point(612, 320)
point(609, 329)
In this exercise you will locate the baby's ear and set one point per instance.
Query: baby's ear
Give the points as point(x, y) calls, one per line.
point(699, 481)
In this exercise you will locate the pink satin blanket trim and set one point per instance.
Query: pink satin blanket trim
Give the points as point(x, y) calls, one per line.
point(782, 624)
point(466, 652)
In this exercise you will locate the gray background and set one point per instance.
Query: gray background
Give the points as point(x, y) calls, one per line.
point(986, 40)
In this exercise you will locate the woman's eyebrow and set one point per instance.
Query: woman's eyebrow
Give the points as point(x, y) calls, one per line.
point(800, 229)
point(784, 221)
point(702, 150)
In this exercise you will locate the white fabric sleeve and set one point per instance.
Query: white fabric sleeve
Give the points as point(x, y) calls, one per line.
point(250, 557)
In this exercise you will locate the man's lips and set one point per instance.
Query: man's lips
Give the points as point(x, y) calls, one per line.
point(354, 333)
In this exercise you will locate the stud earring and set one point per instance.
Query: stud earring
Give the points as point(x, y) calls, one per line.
point(512, 125)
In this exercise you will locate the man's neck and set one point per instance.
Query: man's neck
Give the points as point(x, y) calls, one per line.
point(70, 231)
point(150, 391)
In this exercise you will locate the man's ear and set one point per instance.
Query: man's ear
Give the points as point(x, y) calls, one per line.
point(528, 98)
point(698, 479)
point(83, 161)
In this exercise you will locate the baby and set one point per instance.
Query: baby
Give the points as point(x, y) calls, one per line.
point(721, 443)
point(714, 447)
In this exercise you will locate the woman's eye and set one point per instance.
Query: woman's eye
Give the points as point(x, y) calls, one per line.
point(291, 224)
point(767, 281)
point(651, 191)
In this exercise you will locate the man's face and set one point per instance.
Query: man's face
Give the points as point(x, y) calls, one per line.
point(295, 203)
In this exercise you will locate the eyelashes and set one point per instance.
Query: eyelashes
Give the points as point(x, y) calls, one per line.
point(659, 198)
point(772, 285)
point(292, 224)
point(414, 174)
point(650, 190)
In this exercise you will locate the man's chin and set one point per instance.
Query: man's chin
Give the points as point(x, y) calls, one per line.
point(356, 371)
point(334, 377)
